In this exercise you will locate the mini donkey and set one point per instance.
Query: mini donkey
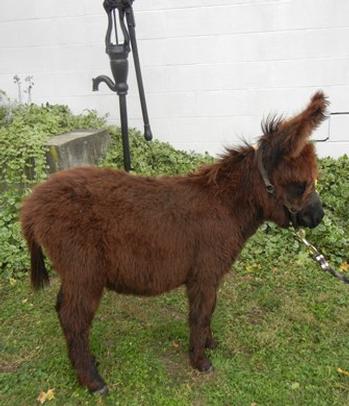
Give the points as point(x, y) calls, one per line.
point(104, 228)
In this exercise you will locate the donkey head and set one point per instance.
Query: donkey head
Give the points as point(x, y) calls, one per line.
point(287, 163)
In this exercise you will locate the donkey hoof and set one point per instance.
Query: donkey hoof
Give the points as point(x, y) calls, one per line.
point(208, 370)
point(204, 365)
point(101, 392)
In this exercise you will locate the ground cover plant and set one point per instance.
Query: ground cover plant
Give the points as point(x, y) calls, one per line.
point(283, 325)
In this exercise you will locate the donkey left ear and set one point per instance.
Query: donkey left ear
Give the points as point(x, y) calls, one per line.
point(290, 136)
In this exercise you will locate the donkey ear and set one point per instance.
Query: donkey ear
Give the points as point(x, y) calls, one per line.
point(289, 136)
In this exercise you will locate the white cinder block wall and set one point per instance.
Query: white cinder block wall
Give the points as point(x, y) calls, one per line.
point(212, 68)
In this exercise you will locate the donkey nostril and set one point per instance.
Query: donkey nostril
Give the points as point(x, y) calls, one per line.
point(312, 219)
point(316, 218)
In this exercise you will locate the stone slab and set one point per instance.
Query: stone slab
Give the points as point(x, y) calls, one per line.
point(77, 148)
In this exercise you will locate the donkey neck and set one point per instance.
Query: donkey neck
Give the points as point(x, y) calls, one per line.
point(240, 192)
point(235, 181)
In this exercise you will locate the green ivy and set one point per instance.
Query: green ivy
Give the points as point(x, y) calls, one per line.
point(334, 184)
point(25, 129)
point(152, 158)
point(332, 234)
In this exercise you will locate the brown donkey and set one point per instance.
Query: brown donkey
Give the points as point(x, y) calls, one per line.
point(103, 228)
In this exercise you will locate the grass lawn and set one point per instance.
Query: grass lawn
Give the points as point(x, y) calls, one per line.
point(282, 324)
point(283, 334)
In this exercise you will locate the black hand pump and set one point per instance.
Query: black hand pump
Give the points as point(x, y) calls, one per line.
point(118, 53)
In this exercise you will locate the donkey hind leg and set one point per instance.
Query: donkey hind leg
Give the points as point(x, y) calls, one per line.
point(202, 300)
point(75, 313)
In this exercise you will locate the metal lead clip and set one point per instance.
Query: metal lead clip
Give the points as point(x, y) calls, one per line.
point(318, 257)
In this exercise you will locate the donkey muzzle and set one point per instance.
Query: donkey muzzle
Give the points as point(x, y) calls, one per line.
point(312, 213)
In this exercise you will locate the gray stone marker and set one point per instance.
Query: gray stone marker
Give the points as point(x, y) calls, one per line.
point(77, 148)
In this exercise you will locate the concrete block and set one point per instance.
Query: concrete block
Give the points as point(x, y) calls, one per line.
point(222, 103)
point(197, 132)
point(300, 14)
point(44, 32)
point(150, 25)
point(309, 72)
point(76, 83)
point(40, 9)
point(26, 60)
point(338, 128)
point(212, 69)
point(332, 149)
point(220, 20)
point(181, 104)
point(230, 48)
point(77, 148)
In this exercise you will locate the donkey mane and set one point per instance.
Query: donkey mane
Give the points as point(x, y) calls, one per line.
point(231, 160)
point(271, 125)
point(228, 170)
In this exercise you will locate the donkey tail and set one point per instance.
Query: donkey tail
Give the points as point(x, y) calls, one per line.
point(38, 272)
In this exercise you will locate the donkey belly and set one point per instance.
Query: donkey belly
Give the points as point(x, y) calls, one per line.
point(141, 289)
point(150, 277)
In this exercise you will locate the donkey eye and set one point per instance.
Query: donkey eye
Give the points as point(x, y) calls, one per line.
point(296, 189)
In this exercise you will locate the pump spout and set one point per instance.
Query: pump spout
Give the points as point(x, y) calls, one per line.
point(102, 78)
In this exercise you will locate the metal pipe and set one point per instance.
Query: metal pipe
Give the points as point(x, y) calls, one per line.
point(131, 28)
point(124, 132)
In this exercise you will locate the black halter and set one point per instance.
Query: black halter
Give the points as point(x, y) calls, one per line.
point(270, 188)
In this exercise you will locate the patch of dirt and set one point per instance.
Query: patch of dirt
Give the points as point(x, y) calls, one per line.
point(11, 364)
point(176, 363)
point(255, 315)
point(9, 367)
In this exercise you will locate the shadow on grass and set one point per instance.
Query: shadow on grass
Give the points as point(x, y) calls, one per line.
point(282, 337)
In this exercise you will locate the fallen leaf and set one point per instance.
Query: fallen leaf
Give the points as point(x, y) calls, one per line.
point(343, 371)
point(50, 394)
point(43, 396)
point(175, 344)
point(344, 267)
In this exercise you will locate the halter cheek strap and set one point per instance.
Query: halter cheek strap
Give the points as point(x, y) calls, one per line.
point(271, 188)
point(268, 185)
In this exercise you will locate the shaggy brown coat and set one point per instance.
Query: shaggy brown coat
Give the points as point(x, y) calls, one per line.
point(103, 228)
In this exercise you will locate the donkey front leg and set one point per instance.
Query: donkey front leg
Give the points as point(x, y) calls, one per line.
point(202, 301)
point(75, 314)
point(211, 343)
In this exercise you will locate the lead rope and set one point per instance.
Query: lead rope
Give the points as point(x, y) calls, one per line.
point(299, 233)
point(317, 256)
